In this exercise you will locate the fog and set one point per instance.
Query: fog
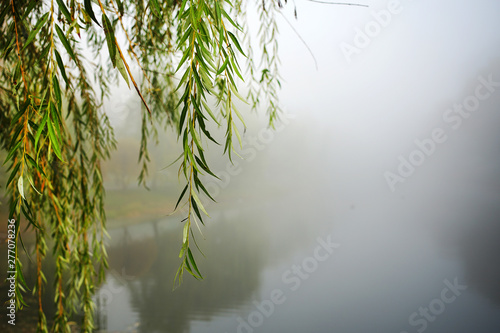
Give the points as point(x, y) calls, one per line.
point(376, 152)
point(388, 150)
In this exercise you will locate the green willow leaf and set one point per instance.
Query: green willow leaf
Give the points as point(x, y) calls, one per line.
point(4, 12)
point(65, 42)
point(36, 29)
point(121, 68)
point(191, 157)
point(239, 115)
point(198, 202)
point(61, 66)
point(184, 58)
point(13, 174)
point(64, 10)
point(12, 152)
point(28, 214)
point(18, 115)
point(200, 185)
point(235, 129)
point(217, 12)
point(156, 7)
point(195, 137)
point(110, 38)
point(207, 169)
point(33, 185)
point(20, 274)
point(16, 137)
point(241, 98)
point(53, 139)
point(57, 92)
point(183, 114)
point(207, 108)
point(230, 19)
point(223, 67)
point(119, 4)
point(185, 233)
point(236, 69)
point(90, 11)
point(184, 245)
point(193, 262)
point(207, 134)
point(34, 164)
point(181, 196)
point(196, 210)
point(236, 42)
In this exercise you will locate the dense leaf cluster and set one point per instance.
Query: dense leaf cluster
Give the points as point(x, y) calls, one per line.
point(182, 58)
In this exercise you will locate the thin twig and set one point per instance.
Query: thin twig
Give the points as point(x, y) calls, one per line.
point(301, 39)
point(129, 41)
point(128, 69)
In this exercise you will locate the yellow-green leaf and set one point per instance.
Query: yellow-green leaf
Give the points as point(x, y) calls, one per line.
point(20, 187)
point(121, 68)
point(198, 202)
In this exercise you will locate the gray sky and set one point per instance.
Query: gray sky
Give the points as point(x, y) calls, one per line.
point(423, 57)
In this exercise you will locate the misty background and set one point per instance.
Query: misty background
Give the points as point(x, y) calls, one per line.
point(323, 172)
point(346, 124)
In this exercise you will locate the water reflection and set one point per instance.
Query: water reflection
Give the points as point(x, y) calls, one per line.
point(145, 263)
point(27, 318)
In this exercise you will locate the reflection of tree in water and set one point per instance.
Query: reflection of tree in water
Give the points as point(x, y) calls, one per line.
point(231, 268)
point(26, 319)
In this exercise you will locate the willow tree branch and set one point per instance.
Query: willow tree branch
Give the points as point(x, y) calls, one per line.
point(301, 39)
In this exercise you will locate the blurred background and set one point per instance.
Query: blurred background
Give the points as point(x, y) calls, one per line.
point(419, 255)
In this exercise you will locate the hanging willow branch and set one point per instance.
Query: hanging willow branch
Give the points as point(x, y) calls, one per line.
point(56, 135)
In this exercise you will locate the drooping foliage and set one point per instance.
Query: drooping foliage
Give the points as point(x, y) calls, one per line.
point(185, 59)
point(59, 61)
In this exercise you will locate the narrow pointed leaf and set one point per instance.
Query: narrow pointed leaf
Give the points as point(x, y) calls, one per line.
point(180, 196)
point(121, 69)
point(193, 262)
point(36, 29)
point(198, 202)
point(110, 38)
point(65, 42)
point(53, 140)
point(61, 66)
point(13, 173)
point(90, 11)
point(236, 42)
point(20, 187)
point(64, 10)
